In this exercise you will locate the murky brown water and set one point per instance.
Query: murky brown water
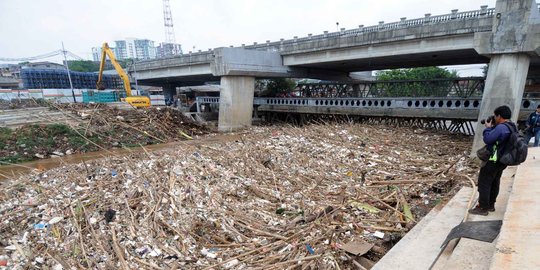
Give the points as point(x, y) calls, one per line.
point(9, 171)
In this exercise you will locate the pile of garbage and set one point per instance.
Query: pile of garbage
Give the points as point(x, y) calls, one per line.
point(159, 124)
point(93, 127)
point(320, 196)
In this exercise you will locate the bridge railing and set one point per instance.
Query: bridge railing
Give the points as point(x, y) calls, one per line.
point(453, 87)
point(482, 13)
point(408, 103)
point(403, 103)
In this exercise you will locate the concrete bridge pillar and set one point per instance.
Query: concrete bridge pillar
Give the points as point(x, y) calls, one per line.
point(510, 44)
point(505, 83)
point(235, 102)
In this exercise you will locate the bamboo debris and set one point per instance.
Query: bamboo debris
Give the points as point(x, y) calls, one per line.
point(277, 198)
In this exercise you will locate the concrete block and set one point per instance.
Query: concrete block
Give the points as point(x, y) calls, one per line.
point(242, 62)
point(517, 246)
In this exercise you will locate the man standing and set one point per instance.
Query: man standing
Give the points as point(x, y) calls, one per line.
point(533, 127)
point(495, 136)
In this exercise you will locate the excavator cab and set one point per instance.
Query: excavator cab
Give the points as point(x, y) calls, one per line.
point(135, 101)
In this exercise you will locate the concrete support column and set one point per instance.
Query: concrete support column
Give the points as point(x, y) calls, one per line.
point(504, 86)
point(235, 102)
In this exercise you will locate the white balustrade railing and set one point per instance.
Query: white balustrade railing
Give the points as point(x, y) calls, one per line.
point(373, 102)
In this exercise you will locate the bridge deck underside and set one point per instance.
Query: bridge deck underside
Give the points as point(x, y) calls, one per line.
point(179, 81)
point(391, 61)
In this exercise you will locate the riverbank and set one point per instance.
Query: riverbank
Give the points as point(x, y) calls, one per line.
point(84, 128)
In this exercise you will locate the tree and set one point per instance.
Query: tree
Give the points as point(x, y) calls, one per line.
point(415, 82)
point(276, 87)
point(83, 65)
point(93, 66)
point(421, 73)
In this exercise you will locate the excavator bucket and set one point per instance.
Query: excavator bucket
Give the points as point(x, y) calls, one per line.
point(100, 86)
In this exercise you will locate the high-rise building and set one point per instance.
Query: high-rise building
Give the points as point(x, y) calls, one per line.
point(144, 49)
point(134, 48)
point(96, 53)
point(168, 49)
point(120, 49)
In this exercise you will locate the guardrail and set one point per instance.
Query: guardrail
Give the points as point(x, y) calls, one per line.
point(482, 13)
point(406, 103)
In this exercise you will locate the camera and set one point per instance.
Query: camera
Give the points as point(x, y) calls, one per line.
point(490, 119)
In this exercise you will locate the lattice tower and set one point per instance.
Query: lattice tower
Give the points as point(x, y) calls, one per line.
point(169, 26)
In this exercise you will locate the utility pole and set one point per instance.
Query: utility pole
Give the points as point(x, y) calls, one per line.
point(69, 75)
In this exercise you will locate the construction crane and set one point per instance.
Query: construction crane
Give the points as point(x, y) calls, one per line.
point(135, 101)
point(170, 39)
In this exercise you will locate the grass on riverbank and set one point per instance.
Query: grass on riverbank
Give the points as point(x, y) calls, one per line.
point(29, 142)
point(40, 141)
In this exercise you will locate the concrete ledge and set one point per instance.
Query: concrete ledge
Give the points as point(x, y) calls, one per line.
point(473, 254)
point(519, 240)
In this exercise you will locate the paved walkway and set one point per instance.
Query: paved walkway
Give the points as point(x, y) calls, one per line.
point(518, 246)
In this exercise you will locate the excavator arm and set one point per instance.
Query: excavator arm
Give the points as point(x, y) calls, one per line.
point(106, 51)
point(135, 101)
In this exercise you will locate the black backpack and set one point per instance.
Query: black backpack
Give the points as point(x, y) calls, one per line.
point(516, 148)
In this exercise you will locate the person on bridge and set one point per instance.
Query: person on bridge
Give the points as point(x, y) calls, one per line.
point(495, 136)
point(533, 127)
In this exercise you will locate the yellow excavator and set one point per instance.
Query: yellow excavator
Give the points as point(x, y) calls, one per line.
point(135, 101)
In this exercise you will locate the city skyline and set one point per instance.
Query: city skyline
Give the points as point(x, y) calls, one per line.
point(138, 48)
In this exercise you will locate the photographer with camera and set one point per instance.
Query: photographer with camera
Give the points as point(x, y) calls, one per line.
point(495, 137)
point(533, 127)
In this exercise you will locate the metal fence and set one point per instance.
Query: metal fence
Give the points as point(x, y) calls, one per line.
point(458, 87)
point(58, 79)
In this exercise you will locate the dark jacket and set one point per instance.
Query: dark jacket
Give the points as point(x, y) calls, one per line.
point(534, 122)
point(496, 137)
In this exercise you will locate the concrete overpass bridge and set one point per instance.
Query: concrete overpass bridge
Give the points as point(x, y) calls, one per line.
point(432, 40)
point(507, 37)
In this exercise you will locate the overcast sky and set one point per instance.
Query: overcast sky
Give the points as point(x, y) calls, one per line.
point(34, 27)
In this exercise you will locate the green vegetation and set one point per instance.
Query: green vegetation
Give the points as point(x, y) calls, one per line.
point(93, 66)
point(83, 66)
point(5, 133)
point(24, 143)
point(422, 73)
point(408, 89)
point(276, 87)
